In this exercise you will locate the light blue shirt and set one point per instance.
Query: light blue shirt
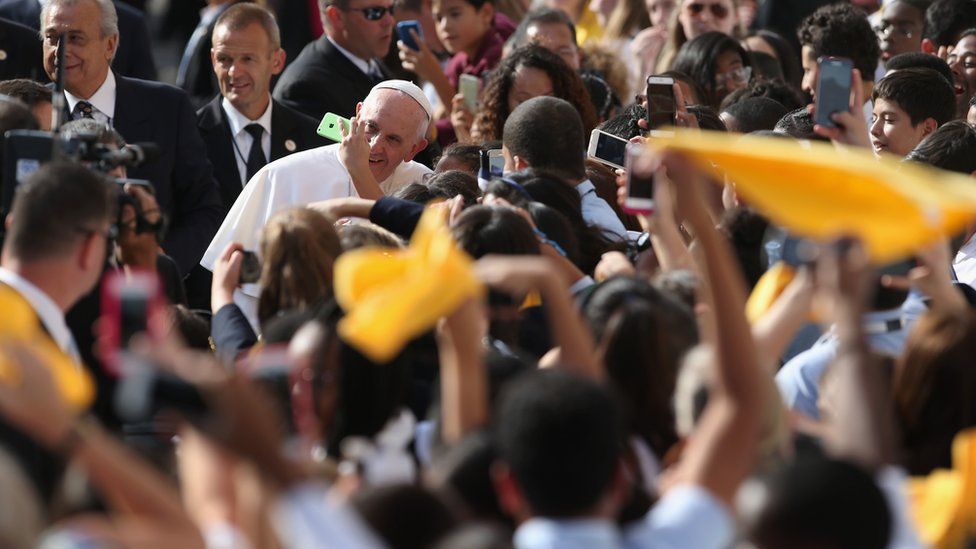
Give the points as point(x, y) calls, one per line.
point(596, 212)
point(687, 516)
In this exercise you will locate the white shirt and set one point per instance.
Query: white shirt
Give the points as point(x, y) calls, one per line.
point(964, 264)
point(243, 140)
point(368, 66)
point(295, 180)
point(51, 316)
point(103, 101)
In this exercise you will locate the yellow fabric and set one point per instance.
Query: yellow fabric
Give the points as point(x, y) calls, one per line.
point(588, 27)
point(20, 323)
point(391, 298)
point(944, 502)
point(820, 192)
point(767, 290)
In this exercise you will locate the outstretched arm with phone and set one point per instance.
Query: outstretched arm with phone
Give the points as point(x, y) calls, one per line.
point(850, 127)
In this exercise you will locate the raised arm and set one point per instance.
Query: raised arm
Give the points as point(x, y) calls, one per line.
point(464, 382)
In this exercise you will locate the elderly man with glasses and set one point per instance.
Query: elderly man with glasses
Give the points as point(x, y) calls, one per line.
point(336, 71)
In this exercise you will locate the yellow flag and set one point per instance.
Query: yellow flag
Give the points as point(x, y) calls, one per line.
point(393, 297)
point(19, 323)
point(944, 502)
point(818, 191)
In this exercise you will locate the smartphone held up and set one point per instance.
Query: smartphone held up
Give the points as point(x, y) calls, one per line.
point(641, 166)
point(661, 102)
point(833, 89)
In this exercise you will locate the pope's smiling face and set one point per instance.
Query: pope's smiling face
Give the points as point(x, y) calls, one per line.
point(395, 127)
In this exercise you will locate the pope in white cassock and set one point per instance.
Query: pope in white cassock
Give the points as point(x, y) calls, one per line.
point(374, 159)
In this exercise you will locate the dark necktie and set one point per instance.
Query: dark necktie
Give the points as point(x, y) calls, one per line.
point(255, 158)
point(85, 109)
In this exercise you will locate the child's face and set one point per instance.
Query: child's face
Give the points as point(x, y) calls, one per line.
point(461, 26)
point(892, 130)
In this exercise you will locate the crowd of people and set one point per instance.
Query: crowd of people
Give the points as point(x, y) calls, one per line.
point(221, 328)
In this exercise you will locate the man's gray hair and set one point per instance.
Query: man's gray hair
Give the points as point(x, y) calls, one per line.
point(110, 18)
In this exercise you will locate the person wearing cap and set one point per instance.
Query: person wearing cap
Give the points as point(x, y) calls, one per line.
point(375, 158)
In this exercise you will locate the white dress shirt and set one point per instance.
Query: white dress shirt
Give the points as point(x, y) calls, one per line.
point(243, 140)
point(368, 66)
point(103, 101)
point(51, 316)
point(964, 264)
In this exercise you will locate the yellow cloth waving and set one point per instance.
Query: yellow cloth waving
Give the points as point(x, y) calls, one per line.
point(944, 502)
point(820, 192)
point(20, 323)
point(393, 297)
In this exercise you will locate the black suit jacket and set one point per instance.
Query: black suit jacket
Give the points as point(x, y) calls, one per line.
point(182, 175)
point(322, 80)
point(133, 57)
point(286, 125)
point(21, 57)
point(200, 81)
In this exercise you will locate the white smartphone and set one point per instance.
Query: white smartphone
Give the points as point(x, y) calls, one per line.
point(641, 166)
point(470, 85)
point(607, 149)
point(660, 102)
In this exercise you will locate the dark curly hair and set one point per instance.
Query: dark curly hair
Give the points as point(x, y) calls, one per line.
point(780, 91)
point(945, 20)
point(842, 30)
point(566, 84)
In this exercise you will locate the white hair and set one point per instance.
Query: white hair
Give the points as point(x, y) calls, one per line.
point(109, 24)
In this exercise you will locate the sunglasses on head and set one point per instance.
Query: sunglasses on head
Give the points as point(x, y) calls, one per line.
point(718, 10)
point(373, 13)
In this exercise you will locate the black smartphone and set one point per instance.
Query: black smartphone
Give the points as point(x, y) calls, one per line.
point(833, 89)
point(250, 268)
point(660, 102)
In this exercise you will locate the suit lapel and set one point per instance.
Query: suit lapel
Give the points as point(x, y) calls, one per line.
point(282, 131)
point(130, 114)
point(215, 130)
point(343, 65)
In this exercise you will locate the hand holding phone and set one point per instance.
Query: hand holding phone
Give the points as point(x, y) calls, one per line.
point(131, 305)
point(403, 32)
point(607, 149)
point(641, 167)
point(469, 86)
point(833, 89)
point(329, 128)
point(250, 267)
point(661, 103)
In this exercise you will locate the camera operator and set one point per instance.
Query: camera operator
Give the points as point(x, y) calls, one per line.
point(139, 219)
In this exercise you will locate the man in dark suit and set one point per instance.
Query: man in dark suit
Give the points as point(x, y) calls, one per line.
point(141, 111)
point(334, 73)
point(246, 55)
point(20, 52)
point(195, 74)
point(134, 58)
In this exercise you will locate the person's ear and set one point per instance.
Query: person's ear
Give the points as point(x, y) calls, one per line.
point(8, 221)
point(278, 61)
point(929, 125)
point(88, 251)
point(520, 163)
point(359, 107)
point(928, 47)
point(332, 17)
point(418, 146)
point(509, 493)
point(111, 45)
point(486, 13)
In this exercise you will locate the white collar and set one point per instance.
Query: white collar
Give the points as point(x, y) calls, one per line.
point(47, 310)
point(967, 250)
point(361, 64)
point(103, 99)
point(238, 121)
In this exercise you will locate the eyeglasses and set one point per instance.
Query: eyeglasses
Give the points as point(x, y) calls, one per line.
point(885, 29)
point(719, 11)
point(740, 75)
point(373, 13)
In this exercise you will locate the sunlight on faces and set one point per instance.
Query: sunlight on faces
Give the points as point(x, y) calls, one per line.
point(89, 53)
point(244, 61)
point(558, 39)
point(529, 82)
point(900, 19)
point(962, 61)
point(364, 38)
point(395, 127)
point(461, 26)
point(696, 22)
point(811, 71)
point(659, 11)
point(892, 130)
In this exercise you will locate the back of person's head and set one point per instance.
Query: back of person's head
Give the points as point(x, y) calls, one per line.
point(922, 93)
point(414, 192)
point(192, 329)
point(605, 101)
point(945, 20)
point(55, 208)
point(643, 333)
point(88, 127)
point(842, 30)
point(821, 502)
point(934, 388)
point(367, 235)
point(547, 133)
point(483, 230)
point(765, 65)
point(753, 114)
point(15, 115)
point(403, 515)
point(463, 472)
point(777, 90)
point(707, 118)
point(798, 124)
point(447, 185)
point(298, 249)
point(28, 91)
point(558, 435)
point(624, 124)
point(557, 228)
point(917, 59)
point(460, 156)
point(952, 147)
point(698, 58)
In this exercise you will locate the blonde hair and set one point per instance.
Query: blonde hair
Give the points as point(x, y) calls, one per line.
point(298, 249)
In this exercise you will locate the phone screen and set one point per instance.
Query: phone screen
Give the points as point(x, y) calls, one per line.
point(611, 149)
point(496, 164)
point(660, 105)
point(641, 184)
point(133, 311)
point(833, 89)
